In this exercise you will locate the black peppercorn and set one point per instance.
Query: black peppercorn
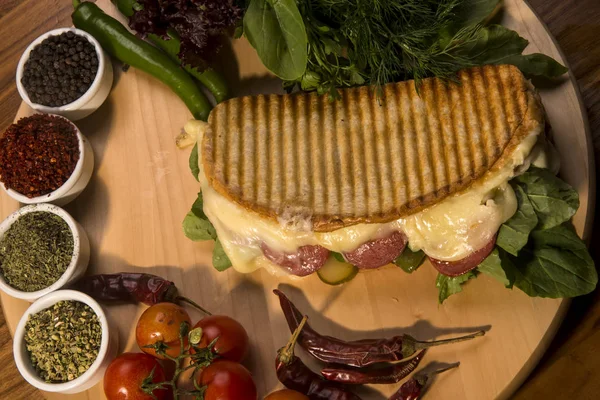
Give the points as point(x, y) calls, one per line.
point(60, 69)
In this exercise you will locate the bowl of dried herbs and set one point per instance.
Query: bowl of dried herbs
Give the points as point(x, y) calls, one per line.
point(63, 343)
point(42, 248)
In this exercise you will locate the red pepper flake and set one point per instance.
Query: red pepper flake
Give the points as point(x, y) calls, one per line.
point(38, 154)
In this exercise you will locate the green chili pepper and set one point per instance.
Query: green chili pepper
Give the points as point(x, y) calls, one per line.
point(126, 47)
point(213, 80)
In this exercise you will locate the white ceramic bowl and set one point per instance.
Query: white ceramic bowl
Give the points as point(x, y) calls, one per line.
point(79, 261)
point(95, 95)
point(108, 346)
point(74, 185)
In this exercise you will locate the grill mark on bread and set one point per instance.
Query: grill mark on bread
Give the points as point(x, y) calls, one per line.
point(231, 142)
point(508, 94)
point(214, 147)
point(465, 148)
point(368, 161)
point(291, 134)
point(385, 150)
point(378, 166)
point(436, 118)
point(518, 85)
point(482, 122)
point(502, 117)
point(318, 173)
point(303, 157)
point(478, 144)
point(322, 167)
point(359, 174)
point(346, 192)
point(274, 151)
point(246, 143)
point(489, 117)
point(418, 142)
point(400, 161)
point(431, 126)
point(524, 115)
point(260, 153)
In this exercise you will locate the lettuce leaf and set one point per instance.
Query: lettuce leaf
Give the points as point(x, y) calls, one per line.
point(410, 260)
point(220, 260)
point(556, 263)
point(499, 267)
point(553, 200)
point(447, 286)
point(193, 162)
point(514, 233)
point(277, 31)
point(537, 65)
point(197, 227)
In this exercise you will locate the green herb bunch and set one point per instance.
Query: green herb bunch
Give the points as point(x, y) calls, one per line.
point(327, 44)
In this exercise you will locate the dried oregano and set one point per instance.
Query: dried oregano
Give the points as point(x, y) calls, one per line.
point(63, 341)
point(35, 251)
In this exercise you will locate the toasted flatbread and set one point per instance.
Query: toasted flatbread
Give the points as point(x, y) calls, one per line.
point(367, 158)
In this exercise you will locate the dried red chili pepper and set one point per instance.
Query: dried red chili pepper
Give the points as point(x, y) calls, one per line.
point(132, 288)
point(292, 372)
point(411, 390)
point(358, 353)
point(38, 154)
point(393, 373)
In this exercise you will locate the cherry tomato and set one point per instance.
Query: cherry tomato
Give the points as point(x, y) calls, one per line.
point(227, 380)
point(286, 394)
point(161, 322)
point(124, 376)
point(232, 343)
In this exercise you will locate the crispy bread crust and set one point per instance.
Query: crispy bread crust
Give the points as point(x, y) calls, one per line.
point(364, 158)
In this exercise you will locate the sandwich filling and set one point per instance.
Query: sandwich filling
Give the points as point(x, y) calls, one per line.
point(450, 230)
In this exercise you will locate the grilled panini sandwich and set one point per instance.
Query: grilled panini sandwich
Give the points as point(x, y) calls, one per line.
point(287, 180)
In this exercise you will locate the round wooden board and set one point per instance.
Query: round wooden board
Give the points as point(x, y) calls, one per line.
point(142, 188)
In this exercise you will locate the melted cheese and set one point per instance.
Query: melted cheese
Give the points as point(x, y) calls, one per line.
point(449, 230)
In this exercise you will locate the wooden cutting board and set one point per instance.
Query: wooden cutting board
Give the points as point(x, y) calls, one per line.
point(142, 189)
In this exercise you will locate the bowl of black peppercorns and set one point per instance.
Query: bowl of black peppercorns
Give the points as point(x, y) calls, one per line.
point(65, 72)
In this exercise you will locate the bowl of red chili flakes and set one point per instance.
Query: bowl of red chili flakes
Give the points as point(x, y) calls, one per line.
point(44, 158)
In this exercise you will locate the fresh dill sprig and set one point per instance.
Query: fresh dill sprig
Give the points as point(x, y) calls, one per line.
point(353, 42)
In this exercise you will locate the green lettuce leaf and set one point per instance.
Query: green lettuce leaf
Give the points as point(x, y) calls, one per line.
point(276, 30)
point(496, 44)
point(537, 65)
point(492, 45)
point(193, 162)
point(220, 260)
point(514, 233)
point(198, 229)
point(555, 264)
point(477, 11)
point(196, 225)
point(410, 260)
point(499, 267)
point(447, 286)
point(553, 200)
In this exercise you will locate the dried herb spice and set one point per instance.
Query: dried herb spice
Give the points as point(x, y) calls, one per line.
point(35, 251)
point(38, 154)
point(63, 341)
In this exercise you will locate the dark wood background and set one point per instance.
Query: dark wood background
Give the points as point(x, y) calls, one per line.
point(569, 370)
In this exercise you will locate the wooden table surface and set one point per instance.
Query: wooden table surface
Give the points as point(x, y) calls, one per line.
point(572, 365)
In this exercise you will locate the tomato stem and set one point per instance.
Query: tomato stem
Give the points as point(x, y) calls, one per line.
point(201, 358)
